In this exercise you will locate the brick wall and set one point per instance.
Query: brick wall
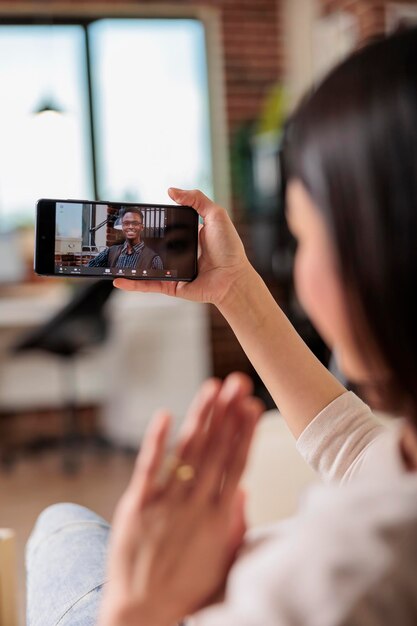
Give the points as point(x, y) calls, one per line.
point(73, 260)
point(370, 14)
point(113, 236)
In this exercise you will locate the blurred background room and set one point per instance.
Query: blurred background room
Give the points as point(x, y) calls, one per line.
point(118, 101)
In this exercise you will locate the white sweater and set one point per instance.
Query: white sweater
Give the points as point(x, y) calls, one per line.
point(350, 555)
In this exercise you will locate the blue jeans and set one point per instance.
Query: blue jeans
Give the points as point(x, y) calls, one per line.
point(65, 563)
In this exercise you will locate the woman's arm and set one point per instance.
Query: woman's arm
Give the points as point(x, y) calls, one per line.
point(300, 386)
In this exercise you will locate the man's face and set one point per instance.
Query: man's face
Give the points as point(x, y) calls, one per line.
point(132, 226)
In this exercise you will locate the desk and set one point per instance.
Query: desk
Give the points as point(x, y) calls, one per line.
point(25, 307)
point(157, 355)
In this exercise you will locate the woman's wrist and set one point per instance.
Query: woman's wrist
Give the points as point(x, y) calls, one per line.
point(129, 616)
point(245, 290)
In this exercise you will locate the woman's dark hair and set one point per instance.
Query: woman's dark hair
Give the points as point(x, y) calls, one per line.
point(353, 144)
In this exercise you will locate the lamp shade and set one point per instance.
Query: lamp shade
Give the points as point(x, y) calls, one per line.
point(118, 223)
point(47, 105)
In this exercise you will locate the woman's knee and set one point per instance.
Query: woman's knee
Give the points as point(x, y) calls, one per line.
point(65, 563)
point(53, 519)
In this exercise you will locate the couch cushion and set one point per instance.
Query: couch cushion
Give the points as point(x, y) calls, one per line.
point(276, 474)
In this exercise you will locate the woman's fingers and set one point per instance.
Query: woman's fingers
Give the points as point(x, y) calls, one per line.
point(169, 288)
point(199, 411)
point(213, 442)
point(230, 450)
point(202, 429)
point(195, 451)
point(223, 424)
point(194, 432)
point(237, 526)
point(194, 198)
point(140, 490)
point(143, 484)
point(209, 453)
point(250, 411)
point(235, 386)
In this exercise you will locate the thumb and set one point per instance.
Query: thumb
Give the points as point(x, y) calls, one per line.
point(237, 522)
point(193, 198)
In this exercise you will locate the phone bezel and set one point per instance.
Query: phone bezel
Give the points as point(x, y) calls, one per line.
point(45, 227)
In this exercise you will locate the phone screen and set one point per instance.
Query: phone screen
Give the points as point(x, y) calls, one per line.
point(116, 240)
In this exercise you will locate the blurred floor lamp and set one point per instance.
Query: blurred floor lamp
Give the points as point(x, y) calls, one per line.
point(113, 220)
point(79, 326)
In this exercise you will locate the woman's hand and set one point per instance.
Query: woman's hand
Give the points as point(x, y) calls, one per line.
point(222, 259)
point(174, 539)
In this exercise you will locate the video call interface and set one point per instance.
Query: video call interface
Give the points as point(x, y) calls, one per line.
point(131, 241)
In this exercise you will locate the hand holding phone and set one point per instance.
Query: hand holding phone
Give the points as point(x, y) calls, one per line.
point(222, 260)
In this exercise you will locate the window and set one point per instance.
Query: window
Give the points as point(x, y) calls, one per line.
point(46, 155)
point(133, 112)
point(150, 105)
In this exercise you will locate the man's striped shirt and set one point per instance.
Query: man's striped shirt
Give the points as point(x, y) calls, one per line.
point(126, 260)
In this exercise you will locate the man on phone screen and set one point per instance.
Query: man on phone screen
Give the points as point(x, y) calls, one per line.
point(132, 253)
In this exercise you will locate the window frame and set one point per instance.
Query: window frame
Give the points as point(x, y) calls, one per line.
point(62, 13)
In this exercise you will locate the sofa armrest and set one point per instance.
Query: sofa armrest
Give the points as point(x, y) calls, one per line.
point(276, 473)
point(8, 603)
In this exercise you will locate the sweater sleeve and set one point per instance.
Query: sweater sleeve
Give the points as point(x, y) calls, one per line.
point(335, 442)
point(101, 260)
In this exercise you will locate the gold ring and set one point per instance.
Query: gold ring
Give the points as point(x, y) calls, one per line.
point(185, 473)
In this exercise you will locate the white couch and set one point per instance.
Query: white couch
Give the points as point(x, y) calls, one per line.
point(276, 474)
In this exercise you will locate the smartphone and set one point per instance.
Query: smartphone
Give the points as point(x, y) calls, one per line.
point(112, 239)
